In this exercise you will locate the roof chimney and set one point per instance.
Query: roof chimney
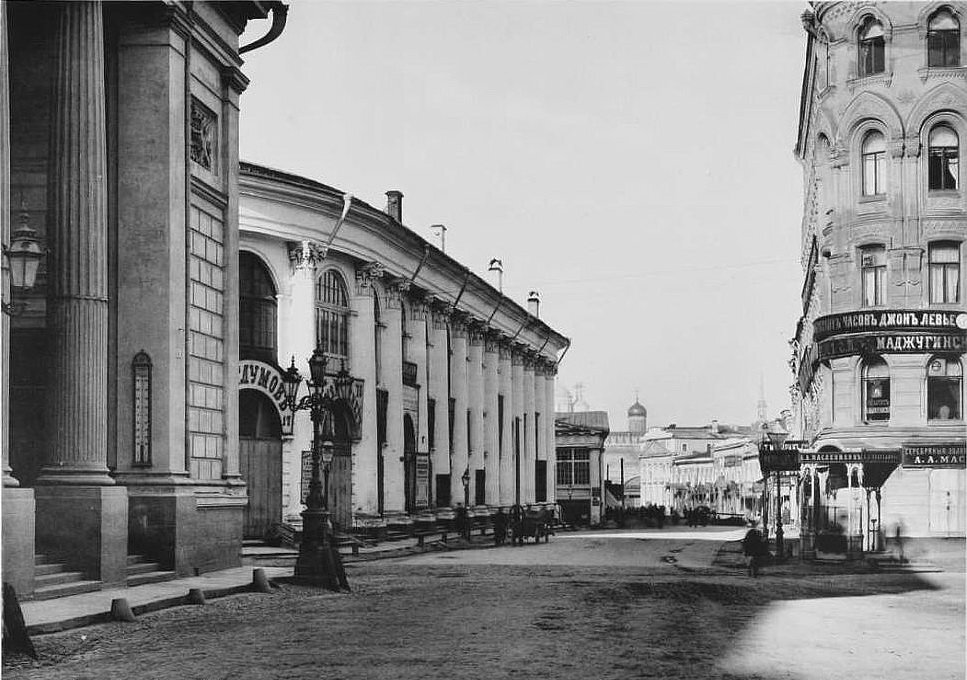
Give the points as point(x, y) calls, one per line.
point(440, 232)
point(714, 427)
point(394, 205)
point(497, 268)
point(534, 303)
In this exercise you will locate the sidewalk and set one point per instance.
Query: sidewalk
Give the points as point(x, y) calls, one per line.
point(49, 616)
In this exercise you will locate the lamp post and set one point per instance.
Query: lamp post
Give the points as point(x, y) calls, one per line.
point(318, 562)
point(21, 259)
point(778, 437)
point(466, 488)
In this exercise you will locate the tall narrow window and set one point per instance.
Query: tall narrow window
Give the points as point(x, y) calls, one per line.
point(873, 268)
point(872, 48)
point(332, 315)
point(876, 390)
point(377, 339)
point(943, 40)
point(944, 387)
point(874, 164)
point(943, 158)
point(256, 310)
point(944, 259)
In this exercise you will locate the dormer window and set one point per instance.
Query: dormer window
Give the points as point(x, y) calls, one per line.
point(943, 40)
point(872, 48)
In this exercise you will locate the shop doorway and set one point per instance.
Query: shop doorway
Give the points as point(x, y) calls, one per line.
point(260, 462)
point(409, 463)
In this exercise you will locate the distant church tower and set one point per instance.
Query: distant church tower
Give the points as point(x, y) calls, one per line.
point(637, 417)
point(761, 414)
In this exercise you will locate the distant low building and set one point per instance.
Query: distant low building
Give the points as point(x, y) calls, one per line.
point(580, 437)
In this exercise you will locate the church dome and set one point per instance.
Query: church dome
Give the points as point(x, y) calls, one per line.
point(637, 410)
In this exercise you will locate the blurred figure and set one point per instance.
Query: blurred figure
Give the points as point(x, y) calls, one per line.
point(900, 540)
point(754, 548)
point(500, 527)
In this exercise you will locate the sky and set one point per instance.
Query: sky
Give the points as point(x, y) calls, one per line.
point(632, 161)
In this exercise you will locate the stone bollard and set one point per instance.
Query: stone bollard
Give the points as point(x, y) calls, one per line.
point(196, 596)
point(260, 581)
point(121, 610)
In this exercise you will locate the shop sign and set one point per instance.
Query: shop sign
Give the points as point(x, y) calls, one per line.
point(887, 320)
point(878, 399)
point(826, 457)
point(778, 461)
point(950, 456)
point(732, 461)
point(894, 343)
point(267, 379)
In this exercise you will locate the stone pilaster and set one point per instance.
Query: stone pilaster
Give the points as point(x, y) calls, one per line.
point(439, 391)
point(491, 379)
point(506, 387)
point(363, 365)
point(77, 231)
point(475, 403)
point(459, 454)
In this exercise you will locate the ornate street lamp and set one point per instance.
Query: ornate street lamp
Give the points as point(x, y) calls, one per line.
point(319, 562)
point(22, 257)
point(778, 437)
point(466, 487)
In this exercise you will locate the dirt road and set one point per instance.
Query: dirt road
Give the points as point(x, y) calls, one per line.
point(582, 606)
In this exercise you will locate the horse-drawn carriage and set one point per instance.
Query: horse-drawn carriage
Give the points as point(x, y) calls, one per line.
point(536, 524)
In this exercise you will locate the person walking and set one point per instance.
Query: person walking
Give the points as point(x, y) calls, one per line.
point(500, 527)
point(753, 547)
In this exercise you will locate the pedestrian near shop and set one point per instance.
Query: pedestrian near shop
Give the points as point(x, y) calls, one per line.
point(753, 548)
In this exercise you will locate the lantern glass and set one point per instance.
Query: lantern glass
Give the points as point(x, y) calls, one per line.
point(317, 367)
point(291, 378)
point(326, 455)
point(466, 477)
point(24, 255)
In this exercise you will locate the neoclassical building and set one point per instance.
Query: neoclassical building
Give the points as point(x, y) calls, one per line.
point(452, 383)
point(120, 155)
point(878, 353)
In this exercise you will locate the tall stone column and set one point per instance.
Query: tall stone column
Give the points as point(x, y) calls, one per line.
point(530, 443)
point(418, 354)
point(439, 391)
point(518, 449)
point(540, 426)
point(550, 372)
point(363, 365)
point(296, 343)
point(491, 359)
point(459, 458)
point(394, 500)
point(475, 403)
point(78, 519)
point(506, 450)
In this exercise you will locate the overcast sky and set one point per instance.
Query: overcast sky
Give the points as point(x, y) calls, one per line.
point(632, 161)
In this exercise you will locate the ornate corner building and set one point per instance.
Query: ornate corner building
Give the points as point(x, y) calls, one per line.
point(878, 354)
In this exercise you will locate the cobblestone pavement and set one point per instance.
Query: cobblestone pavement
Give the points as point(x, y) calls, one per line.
point(582, 606)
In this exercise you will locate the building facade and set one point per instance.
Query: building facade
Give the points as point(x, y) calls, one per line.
point(621, 447)
point(452, 383)
point(878, 353)
point(120, 411)
point(580, 437)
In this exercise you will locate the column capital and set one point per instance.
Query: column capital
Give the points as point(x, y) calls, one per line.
point(504, 347)
point(305, 255)
point(492, 338)
point(517, 353)
point(475, 331)
point(911, 147)
point(458, 323)
point(366, 275)
point(396, 290)
point(419, 306)
point(439, 312)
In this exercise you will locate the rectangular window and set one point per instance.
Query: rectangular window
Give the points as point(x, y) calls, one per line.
point(540, 481)
point(944, 273)
point(943, 48)
point(480, 487)
point(944, 387)
point(574, 467)
point(872, 56)
point(450, 419)
point(873, 268)
point(877, 400)
point(431, 423)
point(874, 168)
point(944, 168)
point(500, 425)
point(382, 402)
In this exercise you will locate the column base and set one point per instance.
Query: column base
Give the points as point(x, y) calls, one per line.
point(86, 527)
point(19, 513)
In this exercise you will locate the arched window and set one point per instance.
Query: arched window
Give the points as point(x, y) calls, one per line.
point(876, 390)
point(944, 264)
point(332, 315)
point(873, 271)
point(944, 387)
point(943, 39)
point(874, 164)
point(943, 171)
point(872, 47)
point(257, 310)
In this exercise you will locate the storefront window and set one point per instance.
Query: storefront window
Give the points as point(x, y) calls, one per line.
point(944, 387)
point(876, 390)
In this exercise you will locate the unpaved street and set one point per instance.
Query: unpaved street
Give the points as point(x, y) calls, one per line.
point(584, 605)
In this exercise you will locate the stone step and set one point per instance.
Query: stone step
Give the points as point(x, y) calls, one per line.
point(58, 578)
point(47, 569)
point(142, 568)
point(150, 577)
point(41, 559)
point(65, 589)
